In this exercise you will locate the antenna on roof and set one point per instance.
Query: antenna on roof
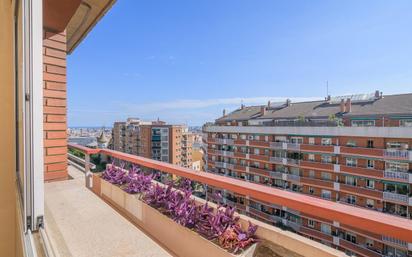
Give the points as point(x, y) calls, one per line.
point(327, 88)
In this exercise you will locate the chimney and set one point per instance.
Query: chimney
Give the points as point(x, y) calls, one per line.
point(378, 94)
point(288, 102)
point(348, 105)
point(342, 105)
point(224, 112)
point(262, 110)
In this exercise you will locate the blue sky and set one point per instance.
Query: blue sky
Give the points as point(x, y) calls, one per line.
point(184, 61)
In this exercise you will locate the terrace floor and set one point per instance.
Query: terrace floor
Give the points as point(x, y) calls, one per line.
point(80, 224)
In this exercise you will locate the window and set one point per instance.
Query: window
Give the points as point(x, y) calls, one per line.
point(405, 123)
point(311, 190)
point(326, 176)
point(326, 159)
point(370, 164)
point(311, 157)
point(370, 203)
point(296, 140)
point(351, 162)
point(311, 223)
point(349, 180)
point(325, 228)
point(256, 151)
point(266, 138)
point(351, 143)
point(350, 237)
point(370, 183)
point(397, 166)
point(256, 178)
point(326, 141)
point(311, 173)
point(397, 145)
point(326, 194)
point(351, 199)
point(243, 137)
point(311, 140)
point(363, 123)
point(369, 144)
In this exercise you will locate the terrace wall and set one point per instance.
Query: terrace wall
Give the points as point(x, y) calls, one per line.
point(55, 106)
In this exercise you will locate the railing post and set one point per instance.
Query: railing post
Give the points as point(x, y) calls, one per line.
point(88, 174)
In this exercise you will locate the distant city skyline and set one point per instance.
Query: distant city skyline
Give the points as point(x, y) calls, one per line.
point(184, 62)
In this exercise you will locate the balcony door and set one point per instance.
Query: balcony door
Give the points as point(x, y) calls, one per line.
point(28, 64)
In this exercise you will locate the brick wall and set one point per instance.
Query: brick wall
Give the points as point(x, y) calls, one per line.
point(55, 106)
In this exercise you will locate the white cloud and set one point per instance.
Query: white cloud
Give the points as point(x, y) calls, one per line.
point(204, 103)
point(189, 111)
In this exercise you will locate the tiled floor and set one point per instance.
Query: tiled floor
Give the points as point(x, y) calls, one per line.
point(79, 224)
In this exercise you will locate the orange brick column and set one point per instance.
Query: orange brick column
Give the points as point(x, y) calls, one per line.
point(55, 106)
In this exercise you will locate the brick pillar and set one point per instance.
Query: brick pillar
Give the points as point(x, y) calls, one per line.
point(55, 106)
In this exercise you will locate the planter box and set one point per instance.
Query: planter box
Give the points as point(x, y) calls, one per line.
point(184, 242)
point(176, 238)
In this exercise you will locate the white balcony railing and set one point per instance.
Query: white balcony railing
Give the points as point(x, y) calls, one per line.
point(224, 141)
point(394, 241)
point(224, 165)
point(278, 145)
point(396, 154)
point(276, 159)
point(395, 197)
point(293, 146)
point(293, 177)
point(405, 176)
point(225, 153)
point(276, 174)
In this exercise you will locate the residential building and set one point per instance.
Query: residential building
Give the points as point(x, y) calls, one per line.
point(355, 150)
point(156, 140)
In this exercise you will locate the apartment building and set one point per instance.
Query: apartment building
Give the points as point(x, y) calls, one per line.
point(154, 139)
point(354, 149)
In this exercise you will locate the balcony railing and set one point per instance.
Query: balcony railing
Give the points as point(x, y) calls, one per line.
point(395, 197)
point(405, 176)
point(225, 153)
point(396, 154)
point(224, 141)
point(367, 220)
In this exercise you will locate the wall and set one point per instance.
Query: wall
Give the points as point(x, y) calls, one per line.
point(55, 106)
point(7, 144)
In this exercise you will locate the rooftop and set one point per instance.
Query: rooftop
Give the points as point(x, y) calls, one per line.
point(399, 104)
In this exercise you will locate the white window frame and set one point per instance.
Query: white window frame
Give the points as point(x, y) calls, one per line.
point(351, 162)
point(326, 141)
point(326, 228)
point(405, 123)
point(370, 164)
point(32, 101)
point(372, 183)
point(311, 157)
point(311, 140)
point(311, 223)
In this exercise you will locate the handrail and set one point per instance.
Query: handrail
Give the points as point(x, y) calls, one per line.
point(84, 149)
point(371, 221)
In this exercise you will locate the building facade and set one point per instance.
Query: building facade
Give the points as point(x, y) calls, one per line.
point(156, 140)
point(355, 150)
